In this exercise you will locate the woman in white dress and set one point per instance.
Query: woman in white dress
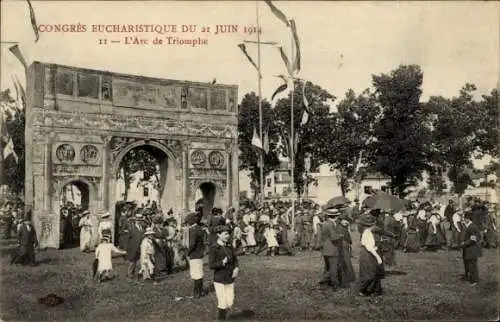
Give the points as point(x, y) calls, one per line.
point(250, 234)
point(85, 225)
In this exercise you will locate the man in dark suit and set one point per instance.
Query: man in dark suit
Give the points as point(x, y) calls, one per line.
point(27, 243)
point(471, 249)
point(332, 248)
point(449, 211)
point(195, 252)
point(133, 248)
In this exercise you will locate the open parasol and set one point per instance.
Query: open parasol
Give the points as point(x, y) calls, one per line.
point(385, 201)
point(388, 202)
point(368, 202)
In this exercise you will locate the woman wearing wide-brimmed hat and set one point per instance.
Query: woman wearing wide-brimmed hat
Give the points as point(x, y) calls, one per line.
point(412, 239)
point(370, 261)
point(85, 225)
point(105, 226)
point(346, 270)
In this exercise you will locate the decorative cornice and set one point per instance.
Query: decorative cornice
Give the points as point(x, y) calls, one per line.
point(133, 124)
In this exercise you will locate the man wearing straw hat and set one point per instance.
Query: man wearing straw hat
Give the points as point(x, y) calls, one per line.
point(133, 248)
point(331, 250)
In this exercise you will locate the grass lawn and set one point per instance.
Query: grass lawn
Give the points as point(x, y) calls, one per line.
point(272, 287)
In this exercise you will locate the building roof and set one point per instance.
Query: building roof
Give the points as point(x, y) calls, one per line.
point(376, 176)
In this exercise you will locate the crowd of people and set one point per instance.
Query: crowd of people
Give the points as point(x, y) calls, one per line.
point(155, 243)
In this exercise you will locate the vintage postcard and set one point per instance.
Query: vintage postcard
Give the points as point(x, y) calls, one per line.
point(251, 160)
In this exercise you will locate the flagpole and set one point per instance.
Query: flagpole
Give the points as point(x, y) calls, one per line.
point(261, 155)
point(2, 131)
point(292, 138)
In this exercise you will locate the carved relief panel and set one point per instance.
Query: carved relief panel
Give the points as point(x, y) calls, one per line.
point(197, 98)
point(218, 99)
point(76, 159)
point(48, 226)
point(207, 159)
point(76, 153)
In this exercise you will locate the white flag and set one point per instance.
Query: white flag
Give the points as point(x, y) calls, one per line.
point(9, 149)
point(256, 139)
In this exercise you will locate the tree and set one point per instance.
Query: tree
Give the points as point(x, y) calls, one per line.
point(487, 128)
point(312, 136)
point(15, 124)
point(139, 159)
point(248, 120)
point(349, 136)
point(401, 138)
point(455, 128)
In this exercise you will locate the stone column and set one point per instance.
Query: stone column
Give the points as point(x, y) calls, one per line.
point(229, 186)
point(47, 196)
point(185, 174)
point(105, 174)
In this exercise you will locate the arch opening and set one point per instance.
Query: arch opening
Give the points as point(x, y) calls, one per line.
point(206, 194)
point(74, 200)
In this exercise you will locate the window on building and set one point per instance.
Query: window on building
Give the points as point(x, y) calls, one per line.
point(269, 182)
point(269, 194)
point(145, 192)
point(368, 189)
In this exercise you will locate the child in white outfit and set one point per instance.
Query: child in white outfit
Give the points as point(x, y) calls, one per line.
point(147, 255)
point(103, 254)
point(270, 234)
point(250, 234)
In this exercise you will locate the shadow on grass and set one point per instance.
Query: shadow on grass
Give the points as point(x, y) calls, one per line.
point(242, 315)
point(395, 273)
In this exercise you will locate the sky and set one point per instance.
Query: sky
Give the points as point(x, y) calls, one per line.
point(342, 43)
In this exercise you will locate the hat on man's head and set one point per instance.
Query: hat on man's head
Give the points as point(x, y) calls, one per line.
point(332, 212)
point(86, 212)
point(138, 216)
point(367, 221)
point(149, 231)
point(106, 215)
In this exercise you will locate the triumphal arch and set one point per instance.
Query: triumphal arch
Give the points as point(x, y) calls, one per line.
point(80, 123)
